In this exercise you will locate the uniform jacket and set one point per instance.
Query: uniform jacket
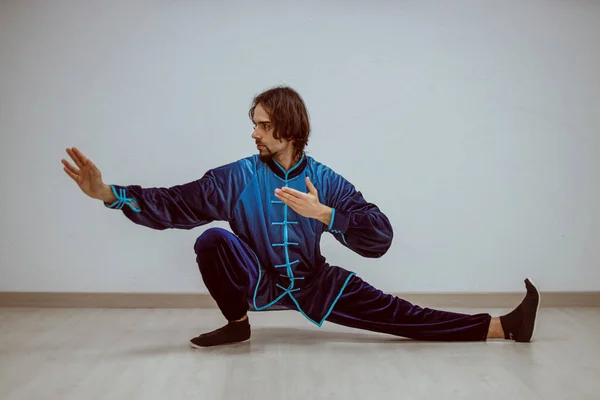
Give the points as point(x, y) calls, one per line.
point(291, 269)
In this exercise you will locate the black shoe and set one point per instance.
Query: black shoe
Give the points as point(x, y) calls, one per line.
point(519, 325)
point(233, 332)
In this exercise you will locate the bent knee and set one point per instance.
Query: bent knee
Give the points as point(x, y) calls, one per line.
point(212, 237)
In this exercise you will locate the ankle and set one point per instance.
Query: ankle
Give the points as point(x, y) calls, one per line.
point(495, 330)
point(245, 317)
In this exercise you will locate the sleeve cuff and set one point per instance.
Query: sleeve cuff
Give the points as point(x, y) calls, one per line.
point(339, 221)
point(120, 193)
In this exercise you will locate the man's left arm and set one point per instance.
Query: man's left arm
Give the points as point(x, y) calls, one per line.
point(359, 225)
point(354, 222)
point(325, 214)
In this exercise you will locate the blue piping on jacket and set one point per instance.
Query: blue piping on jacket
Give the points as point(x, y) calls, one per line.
point(123, 200)
point(288, 265)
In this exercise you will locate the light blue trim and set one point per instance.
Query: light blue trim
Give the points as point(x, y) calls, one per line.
point(343, 237)
point(285, 265)
point(330, 308)
point(332, 218)
point(291, 169)
point(292, 279)
point(284, 244)
point(287, 180)
point(123, 200)
point(288, 265)
point(338, 297)
point(335, 230)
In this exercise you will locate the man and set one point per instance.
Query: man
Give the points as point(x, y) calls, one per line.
point(278, 204)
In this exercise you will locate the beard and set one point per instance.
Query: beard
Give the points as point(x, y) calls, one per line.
point(265, 154)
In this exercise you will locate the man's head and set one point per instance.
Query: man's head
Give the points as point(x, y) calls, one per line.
point(281, 123)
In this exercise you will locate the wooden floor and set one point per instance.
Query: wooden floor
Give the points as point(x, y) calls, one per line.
point(144, 354)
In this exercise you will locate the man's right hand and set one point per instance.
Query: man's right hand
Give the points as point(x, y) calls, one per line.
point(87, 176)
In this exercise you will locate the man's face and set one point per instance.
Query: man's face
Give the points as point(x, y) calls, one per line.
point(267, 145)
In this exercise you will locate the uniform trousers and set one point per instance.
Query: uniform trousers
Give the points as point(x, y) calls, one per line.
point(228, 268)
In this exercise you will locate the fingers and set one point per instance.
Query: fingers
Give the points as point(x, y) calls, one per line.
point(71, 174)
point(291, 192)
point(74, 157)
point(70, 167)
point(311, 187)
point(87, 162)
point(298, 194)
point(294, 205)
point(288, 199)
point(84, 160)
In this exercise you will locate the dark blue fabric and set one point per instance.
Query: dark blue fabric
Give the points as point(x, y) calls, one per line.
point(363, 306)
point(285, 246)
point(272, 255)
point(229, 273)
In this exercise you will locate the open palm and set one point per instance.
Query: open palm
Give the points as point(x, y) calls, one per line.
point(84, 173)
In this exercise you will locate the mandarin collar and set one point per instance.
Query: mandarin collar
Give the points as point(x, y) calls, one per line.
point(292, 172)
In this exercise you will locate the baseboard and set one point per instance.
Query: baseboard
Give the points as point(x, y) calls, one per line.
point(105, 300)
point(203, 300)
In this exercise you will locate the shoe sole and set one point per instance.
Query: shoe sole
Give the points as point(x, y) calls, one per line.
point(195, 346)
point(537, 309)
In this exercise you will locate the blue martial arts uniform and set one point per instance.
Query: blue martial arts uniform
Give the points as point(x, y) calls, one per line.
point(272, 256)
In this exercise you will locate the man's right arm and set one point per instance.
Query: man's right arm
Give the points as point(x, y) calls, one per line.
point(211, 198)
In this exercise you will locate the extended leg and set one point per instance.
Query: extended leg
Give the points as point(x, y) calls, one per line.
point(364, 307)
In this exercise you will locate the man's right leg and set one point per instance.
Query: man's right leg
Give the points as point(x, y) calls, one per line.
point(226, 265)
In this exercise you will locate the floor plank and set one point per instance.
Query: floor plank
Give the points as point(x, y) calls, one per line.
point(144, 354)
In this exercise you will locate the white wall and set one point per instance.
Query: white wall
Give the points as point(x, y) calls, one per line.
point(474, 125)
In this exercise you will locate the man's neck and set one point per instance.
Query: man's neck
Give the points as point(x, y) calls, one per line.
point(287, 160)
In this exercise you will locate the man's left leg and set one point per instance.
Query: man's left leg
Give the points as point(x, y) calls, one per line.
point(364, 307)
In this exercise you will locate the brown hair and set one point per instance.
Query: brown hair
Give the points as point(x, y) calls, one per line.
point(288, 114)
